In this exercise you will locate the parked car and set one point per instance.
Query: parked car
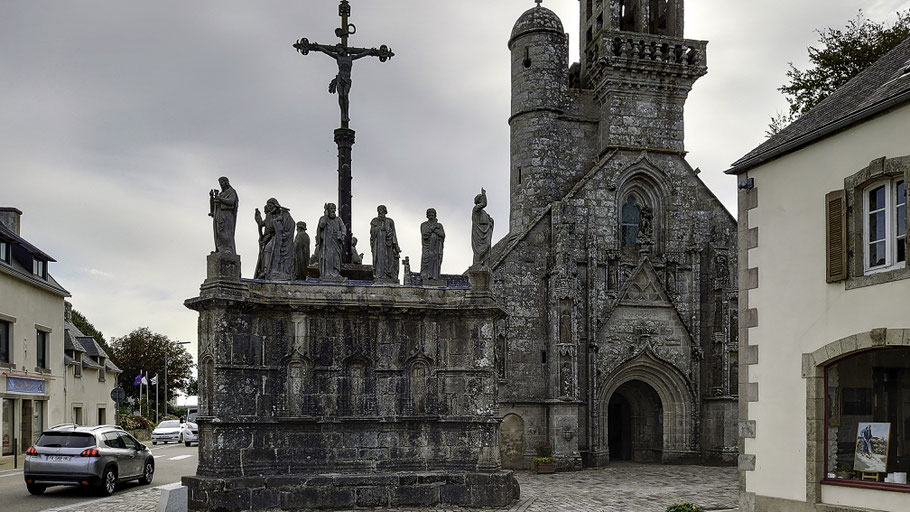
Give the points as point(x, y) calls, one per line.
point(98, 457)
point(189, 433)
point(167, 431)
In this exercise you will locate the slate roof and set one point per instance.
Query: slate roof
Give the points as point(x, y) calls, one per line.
point(87, 345)
point(16, 239)
point(69, 342)
point(883, 85)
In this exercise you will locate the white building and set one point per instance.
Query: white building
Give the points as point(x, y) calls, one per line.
point(825, 303)
point(44, 376)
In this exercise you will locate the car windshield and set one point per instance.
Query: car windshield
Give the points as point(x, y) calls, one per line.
point(66, 440)
point(169, 424)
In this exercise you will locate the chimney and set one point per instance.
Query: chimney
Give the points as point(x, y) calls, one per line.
point(9, 217)
point(67, 311)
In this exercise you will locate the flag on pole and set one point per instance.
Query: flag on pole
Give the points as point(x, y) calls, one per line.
point(154, 380)
point(138, 380)
point(145, 380)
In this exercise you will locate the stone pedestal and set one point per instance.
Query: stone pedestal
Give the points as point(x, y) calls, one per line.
point(343, 396)
point(220, 266)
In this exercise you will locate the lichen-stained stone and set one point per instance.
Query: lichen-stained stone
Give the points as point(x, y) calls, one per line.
point(340, 396)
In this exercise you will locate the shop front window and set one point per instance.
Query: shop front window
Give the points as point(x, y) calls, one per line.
point(868, 418)
point(6, 429)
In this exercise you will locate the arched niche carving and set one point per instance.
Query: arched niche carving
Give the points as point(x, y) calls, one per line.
point(207, 379)
point(297, 384)
point(356, 389)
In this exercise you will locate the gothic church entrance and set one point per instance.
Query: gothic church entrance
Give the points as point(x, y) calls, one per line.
point(635, 417)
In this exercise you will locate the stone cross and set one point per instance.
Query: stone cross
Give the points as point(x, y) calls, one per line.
point(345, 56)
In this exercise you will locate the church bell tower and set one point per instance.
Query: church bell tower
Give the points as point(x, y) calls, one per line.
point(634, 56)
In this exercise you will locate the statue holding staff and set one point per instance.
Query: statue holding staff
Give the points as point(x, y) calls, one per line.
point(433, 236)
point(223, 210)
point(481, 231)
point(276, 242)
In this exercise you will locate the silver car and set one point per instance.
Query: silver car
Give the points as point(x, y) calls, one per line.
point(96, 457)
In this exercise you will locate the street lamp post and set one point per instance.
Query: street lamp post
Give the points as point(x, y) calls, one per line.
point(165, 372)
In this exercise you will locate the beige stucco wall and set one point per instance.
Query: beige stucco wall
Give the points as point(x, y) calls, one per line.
point(798, 312)
point(28, 304)
point(91, 394)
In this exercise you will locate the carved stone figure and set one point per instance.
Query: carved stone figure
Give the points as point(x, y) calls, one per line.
point(433, 237)
point(566, 384)
point(356, 257)
point(384, 242)
point(481, 231)
point(301, 252)
point(223, 210)
point(330, 244)
point(276, 243)
point(646, 229)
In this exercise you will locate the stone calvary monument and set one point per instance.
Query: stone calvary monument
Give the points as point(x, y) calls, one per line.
point(338, 392)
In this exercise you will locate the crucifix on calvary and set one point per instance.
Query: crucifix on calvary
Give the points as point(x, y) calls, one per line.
point(345, 56)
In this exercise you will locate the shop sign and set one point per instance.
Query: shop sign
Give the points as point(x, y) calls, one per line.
point(27, 386)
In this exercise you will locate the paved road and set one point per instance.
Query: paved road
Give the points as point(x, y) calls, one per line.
point(621, 487)
point(171, 462)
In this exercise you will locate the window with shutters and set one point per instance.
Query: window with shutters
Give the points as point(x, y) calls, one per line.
point(872, 244)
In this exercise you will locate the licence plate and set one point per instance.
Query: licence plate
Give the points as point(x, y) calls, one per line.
point(58, 458)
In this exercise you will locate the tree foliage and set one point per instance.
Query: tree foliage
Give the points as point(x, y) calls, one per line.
point(840, 55)
point(144, 350)
point(88, 329)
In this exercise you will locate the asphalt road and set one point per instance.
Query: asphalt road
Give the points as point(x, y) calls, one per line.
point(172, 461)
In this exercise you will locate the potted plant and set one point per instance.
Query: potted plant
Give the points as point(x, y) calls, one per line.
point(684, 507)
point(544, 462)
point(843, 470)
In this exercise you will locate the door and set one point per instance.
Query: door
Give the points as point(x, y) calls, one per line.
point(132, 464)
point(25, 437)
point(114, 445)
point(8, 428)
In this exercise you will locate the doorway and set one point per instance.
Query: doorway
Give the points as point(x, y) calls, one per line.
point(635, 423)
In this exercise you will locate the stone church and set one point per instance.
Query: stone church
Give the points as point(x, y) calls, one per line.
point(619, 269)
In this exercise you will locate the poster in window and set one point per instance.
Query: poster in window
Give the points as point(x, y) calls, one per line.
point(872, 447)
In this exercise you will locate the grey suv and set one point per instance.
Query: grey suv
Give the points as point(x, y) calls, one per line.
point(98, 457)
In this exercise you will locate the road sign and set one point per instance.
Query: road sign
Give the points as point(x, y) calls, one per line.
point(117, 394)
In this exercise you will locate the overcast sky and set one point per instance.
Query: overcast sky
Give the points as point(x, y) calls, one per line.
point(116, 118)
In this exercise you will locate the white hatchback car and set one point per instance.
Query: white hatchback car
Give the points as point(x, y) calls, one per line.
point(167, 432)
point(189, 433)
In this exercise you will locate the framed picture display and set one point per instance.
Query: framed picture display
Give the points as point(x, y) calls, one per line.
point(872, 441)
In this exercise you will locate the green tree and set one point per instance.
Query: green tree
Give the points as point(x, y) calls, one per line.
point(144, 350)
point(193, 387)
point(88, 329)
point(841, 54)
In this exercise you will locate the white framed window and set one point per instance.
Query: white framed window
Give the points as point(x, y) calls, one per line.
point(884, 226)
point(39, 267)
point(4, 252)
point(77, 368)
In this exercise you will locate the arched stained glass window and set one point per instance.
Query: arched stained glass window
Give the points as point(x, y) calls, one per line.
point(631, 218)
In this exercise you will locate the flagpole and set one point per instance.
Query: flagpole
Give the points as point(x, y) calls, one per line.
point(140, 392)
point(156, 398)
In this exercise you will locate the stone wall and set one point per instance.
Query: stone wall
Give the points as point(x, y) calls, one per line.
point(337, 396)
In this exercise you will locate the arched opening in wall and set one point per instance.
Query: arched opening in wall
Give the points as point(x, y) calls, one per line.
point(635, 423)
point(659, 17)
point(628, 12)
point(630, 221)
point(512, 442)
point(868, 416)
point(642, 195)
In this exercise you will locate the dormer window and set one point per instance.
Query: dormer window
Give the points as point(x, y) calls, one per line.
point(4, 252)
point(78, 367)
point(39, 268)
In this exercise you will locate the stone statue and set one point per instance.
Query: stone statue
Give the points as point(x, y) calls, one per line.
point(223, 210)
point(301, 252)
point(356, 257)
point(481, 231)
point(276, 243)
point(646, 229)
point(384, 243)
point(342, 82)
point(433, 236)
point(330, 244)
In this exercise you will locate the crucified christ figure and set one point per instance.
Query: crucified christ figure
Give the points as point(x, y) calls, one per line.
point(341, 84)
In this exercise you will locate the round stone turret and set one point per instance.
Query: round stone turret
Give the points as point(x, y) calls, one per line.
point(540, 82)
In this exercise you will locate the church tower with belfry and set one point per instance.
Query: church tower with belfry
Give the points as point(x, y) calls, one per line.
point(618, 273)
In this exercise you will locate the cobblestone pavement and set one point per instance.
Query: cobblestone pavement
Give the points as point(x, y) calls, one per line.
point(621, 487)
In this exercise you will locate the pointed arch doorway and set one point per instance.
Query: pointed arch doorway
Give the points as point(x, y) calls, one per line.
point(635, 430)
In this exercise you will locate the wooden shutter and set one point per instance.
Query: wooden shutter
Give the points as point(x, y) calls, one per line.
point(836, 236)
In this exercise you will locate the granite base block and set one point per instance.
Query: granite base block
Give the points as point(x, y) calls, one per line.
point(328, 492)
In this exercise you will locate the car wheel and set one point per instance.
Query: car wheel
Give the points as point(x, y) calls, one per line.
point(108, 481)
point(188, 443)
point(35, 488)
point(147, 473)
point(154, 442)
